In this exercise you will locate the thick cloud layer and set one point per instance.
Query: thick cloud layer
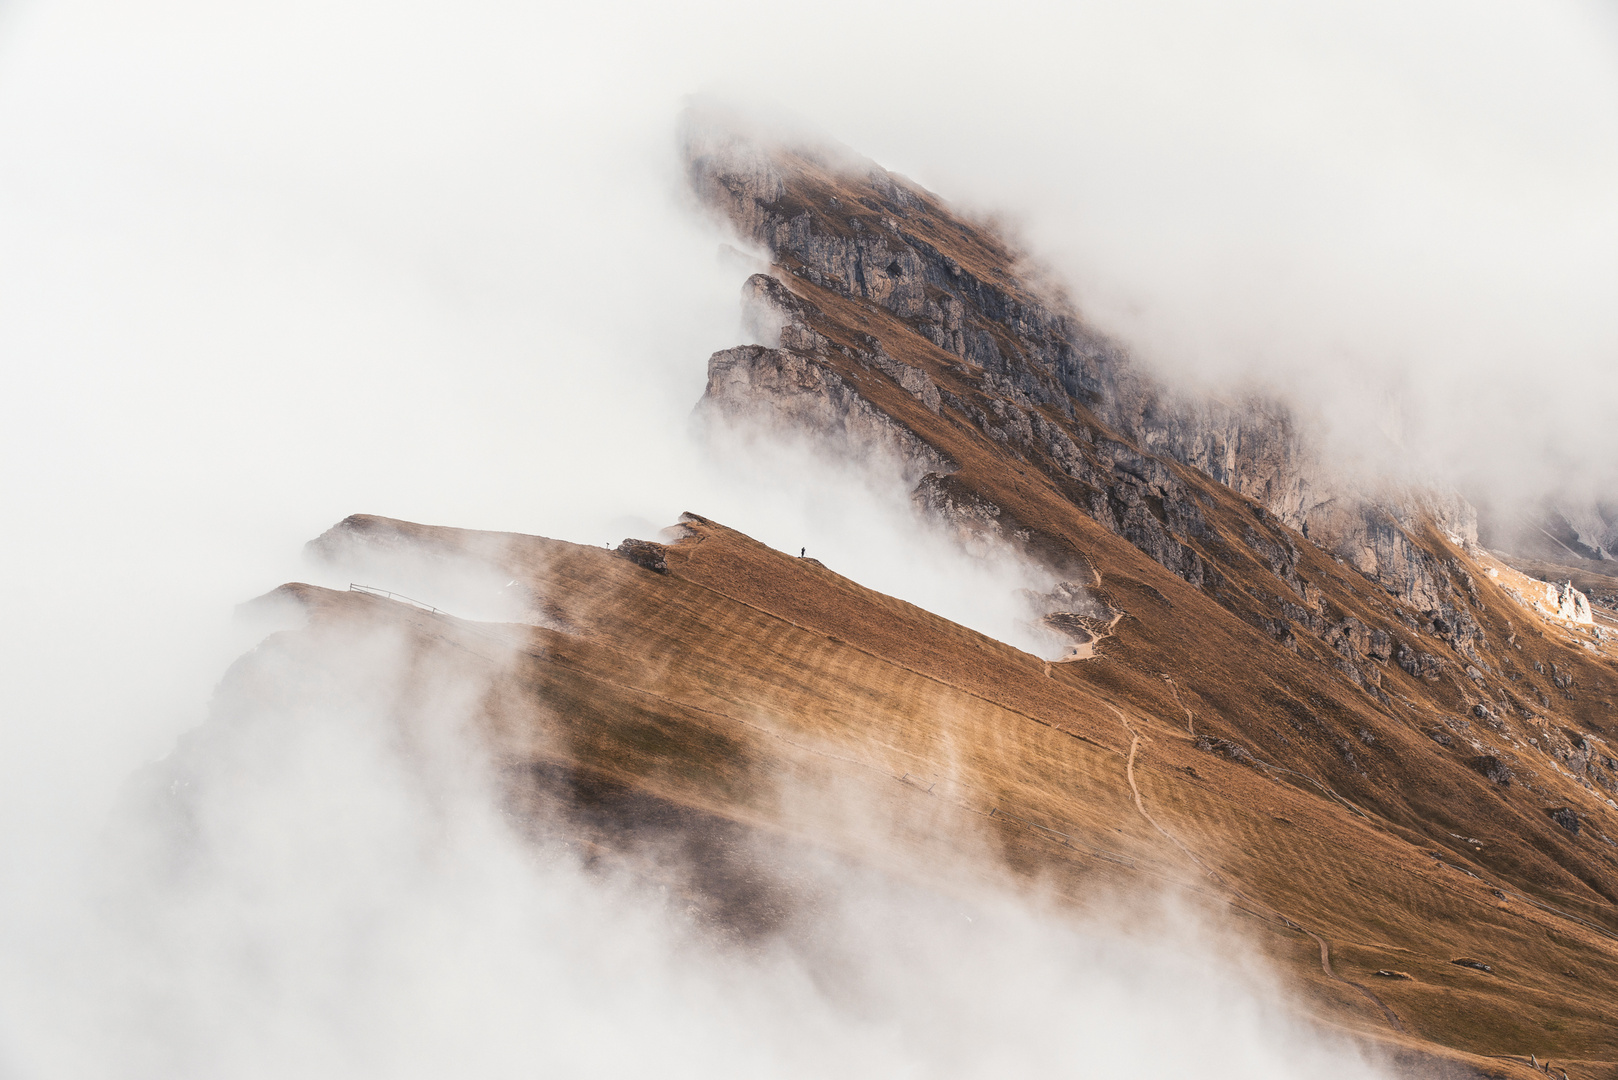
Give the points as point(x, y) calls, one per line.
point(302, 891)
point(263, 265)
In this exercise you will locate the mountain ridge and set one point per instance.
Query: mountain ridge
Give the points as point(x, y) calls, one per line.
point(1339, 722)
point(678, 700)
point(856, 230)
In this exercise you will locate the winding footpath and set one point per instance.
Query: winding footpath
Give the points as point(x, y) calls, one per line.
point(1190, 720)
point(1262, 910)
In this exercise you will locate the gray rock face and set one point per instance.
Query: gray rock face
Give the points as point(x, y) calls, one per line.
point(1591, 526)
point(1567, 818)
point(789, 387)
point(1053, 386)
point(1491, 768)
point(963, 509)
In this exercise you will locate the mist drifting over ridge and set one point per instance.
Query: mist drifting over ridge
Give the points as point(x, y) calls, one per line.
point(267, 266)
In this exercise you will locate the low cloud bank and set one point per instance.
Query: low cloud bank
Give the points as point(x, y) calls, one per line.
point(321, 882)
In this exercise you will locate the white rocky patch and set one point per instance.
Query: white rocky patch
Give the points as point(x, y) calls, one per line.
point(1565, 602)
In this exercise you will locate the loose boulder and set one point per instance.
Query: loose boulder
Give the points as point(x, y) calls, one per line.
point(1566, 817)
point(1490, 768)
point(645, 554)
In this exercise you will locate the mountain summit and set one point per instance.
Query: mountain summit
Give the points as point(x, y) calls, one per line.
point(1314, 705)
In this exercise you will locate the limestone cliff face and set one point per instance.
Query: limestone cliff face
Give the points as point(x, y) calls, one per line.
point(1044, 384)
point(784, 386)
point(890, 243)
point(1565, 602)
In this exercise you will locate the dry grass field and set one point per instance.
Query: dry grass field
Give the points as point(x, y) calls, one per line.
point(746, 693)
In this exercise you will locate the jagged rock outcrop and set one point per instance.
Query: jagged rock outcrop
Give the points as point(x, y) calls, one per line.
point(881, 300)
point(786, 386)
point(645, 554)
point(1565, 602)
point(1050, 384)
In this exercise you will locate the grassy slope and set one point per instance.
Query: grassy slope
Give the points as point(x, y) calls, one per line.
point(744, 678)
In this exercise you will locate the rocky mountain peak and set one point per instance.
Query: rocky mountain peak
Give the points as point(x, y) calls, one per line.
point(969, 335)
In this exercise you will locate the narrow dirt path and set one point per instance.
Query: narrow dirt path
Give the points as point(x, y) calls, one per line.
point(1190, 720)
point(1256, 907)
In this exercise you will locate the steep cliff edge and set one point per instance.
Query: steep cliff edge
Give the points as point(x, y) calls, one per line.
point(891, 322)
point(875, 273)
